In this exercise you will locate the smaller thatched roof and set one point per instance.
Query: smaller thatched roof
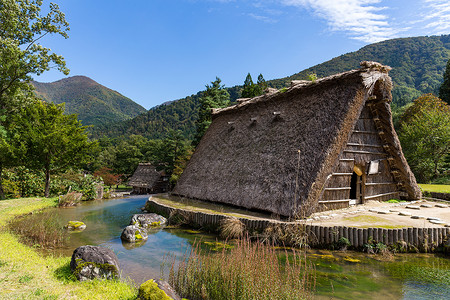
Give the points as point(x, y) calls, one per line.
point(145, 176)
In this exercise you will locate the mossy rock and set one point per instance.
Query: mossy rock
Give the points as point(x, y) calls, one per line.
point(156, 290)
point(75, 225)
point(147, 220)
point(133, 233)
point(90, 262)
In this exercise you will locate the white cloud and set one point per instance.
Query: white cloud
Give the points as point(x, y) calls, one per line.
point(361, 19)
point(438, 17)
point(262, 18)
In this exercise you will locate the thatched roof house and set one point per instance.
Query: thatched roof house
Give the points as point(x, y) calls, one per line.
point(147, 180)
point(315, 146)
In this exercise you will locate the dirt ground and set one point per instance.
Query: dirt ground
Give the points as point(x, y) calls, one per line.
point(386, 215)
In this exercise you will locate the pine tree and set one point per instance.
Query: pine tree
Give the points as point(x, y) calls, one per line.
point(444, 90)
point(248, 91)
point(262, 84)
point(215, 96)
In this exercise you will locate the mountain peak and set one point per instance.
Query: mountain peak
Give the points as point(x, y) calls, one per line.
point(94, 103)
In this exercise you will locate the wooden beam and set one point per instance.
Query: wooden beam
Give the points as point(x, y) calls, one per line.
point(338, 189)
point(381, 183)
point(364, 145)
point(365, 132)
point(381, 195)
point(364, 152)
point(347, 159)
point(334, 201)
point(341, 174)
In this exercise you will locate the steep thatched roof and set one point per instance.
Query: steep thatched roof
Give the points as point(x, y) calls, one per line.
point(274, 152)
point(145, 176)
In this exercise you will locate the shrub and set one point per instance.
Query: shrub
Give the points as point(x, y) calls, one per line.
point(70, 199)
point(247, 271)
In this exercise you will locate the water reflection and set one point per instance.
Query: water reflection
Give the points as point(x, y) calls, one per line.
point(336, 277)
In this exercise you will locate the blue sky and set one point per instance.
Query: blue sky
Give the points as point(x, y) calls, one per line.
point(154, 51)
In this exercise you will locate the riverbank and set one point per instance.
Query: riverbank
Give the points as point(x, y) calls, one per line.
point(406, 227)
point(26, 274)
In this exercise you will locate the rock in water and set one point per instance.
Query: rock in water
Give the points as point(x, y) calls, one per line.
point(75, 225)
point(147, 220)
point(89, 262)
point(132, 233)
point(157, 289)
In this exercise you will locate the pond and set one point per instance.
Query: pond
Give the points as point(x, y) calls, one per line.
point(341, 275)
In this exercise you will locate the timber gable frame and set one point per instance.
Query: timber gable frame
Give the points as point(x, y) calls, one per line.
point(297, 151)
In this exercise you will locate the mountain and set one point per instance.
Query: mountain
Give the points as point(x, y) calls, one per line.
point(94, 103)
point(418, 65)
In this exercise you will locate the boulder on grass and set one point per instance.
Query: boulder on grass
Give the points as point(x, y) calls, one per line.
point(75, 225)
point(147, 220)
point(132, 234)
point(89, 262)
point(157, 289)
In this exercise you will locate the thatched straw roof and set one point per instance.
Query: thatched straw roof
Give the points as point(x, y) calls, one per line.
point(275, 151)
point(145, 176)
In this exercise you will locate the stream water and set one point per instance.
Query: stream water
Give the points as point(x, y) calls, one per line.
point(339, 275)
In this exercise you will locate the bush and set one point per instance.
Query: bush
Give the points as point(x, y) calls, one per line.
point(70, 199)
point(11, 189)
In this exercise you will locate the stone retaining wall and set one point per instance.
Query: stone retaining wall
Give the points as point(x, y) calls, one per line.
point(424, 239)
point(443, 196)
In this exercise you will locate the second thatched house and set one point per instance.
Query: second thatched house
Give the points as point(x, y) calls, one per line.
point(318, 145)
point(146, 180)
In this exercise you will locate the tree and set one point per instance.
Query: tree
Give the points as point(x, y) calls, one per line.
point(21, 54)
point(215, 96)
point(425, 136)
point(444, 90)
point(54, 141)
point(22, 28)
point(250, 89)
point(262, 84)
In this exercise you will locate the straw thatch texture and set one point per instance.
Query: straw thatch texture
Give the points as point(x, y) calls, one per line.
point(250, 156)
point(145, 179)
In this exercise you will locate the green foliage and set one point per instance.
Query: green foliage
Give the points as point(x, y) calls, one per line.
point(54, 141)
point(10, 189)
point(28, 182)
point(444, 90)
point(425, 136)
point(215, 96)
point(312, 77)
point(250, 89)
point(21, 53)
point(417, 63)
point(76, 182)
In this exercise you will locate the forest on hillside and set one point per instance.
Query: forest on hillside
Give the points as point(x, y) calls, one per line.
point(418, 65)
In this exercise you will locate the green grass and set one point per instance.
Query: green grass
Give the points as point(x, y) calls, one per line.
point(437, 188)
point(26, 274)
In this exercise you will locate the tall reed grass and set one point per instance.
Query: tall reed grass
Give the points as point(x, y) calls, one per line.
point(42, 229)
point(250, 270)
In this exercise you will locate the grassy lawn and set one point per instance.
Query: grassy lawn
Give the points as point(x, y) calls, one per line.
point(26, 274)
point(437, 188)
